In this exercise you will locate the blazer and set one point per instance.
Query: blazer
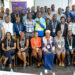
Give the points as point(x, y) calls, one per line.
point(65, 29)
point(13, 17)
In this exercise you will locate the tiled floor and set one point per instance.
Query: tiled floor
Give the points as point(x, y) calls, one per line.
point(58, 70)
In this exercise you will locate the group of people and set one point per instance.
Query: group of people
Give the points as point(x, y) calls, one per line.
point(46, 33)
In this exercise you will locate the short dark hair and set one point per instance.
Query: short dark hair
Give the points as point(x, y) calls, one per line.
point(62, 17)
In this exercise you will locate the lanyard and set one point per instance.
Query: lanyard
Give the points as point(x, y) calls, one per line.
point(54, 24)
point(69, 42)
point(22, 43)
point(48, 42)
point(8, 43)
point(18, 27)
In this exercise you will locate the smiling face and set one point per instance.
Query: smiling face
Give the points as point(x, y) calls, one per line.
point(29, 16)
point(23, 11)
point(39, 14)
point(59, 10)
point(69, 19)
point(36, 34)
point(8, 35)
point(16, 9)
point(54, 17)
point(58, 33)
point(7, 19)
point(22, 35)
point(62, 20)
point(69, 33)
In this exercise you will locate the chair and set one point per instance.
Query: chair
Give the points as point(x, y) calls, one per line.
point(26, 56)
point(13, 58)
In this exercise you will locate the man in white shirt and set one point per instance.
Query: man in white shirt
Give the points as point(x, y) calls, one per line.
point(7, 13)
point(59, 15)
point(53, 9)
point(8, 26)
point(49, 15)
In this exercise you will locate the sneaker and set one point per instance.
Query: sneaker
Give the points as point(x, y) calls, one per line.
point(11, 70)
point(3, 66)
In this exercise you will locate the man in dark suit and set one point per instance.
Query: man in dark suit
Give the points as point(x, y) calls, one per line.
point(63, 27)
point(15, 14)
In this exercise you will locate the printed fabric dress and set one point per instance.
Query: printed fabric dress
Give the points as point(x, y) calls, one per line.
point(48, 58)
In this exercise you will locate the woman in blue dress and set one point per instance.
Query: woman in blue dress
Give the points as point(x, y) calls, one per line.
point(48, 47)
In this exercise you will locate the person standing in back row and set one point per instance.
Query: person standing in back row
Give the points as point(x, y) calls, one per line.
point(40, 25)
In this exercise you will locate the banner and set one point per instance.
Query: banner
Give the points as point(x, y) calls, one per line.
point(20, 5)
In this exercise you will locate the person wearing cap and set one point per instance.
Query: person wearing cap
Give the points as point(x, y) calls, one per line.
point(36, 48)
point(69, 45)
point(60, 48)
point(40, 25)
point(48, 47)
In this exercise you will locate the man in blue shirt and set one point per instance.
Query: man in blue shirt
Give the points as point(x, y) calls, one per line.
point(18, 27)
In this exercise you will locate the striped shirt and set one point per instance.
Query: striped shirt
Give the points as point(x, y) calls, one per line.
point(29, 25)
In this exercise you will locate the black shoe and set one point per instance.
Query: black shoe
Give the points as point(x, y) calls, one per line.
point(3, 66)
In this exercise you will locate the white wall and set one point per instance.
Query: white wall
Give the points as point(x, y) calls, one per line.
point(73, 2)
point(58, 3)
point(7, 3)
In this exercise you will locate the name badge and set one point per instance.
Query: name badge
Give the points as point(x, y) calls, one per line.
point(59, 46)
point(19, 32)
point(38, 28)
point(48, 46)
point(30, 30)
point(22, 49)
point(37, 49)
point(8, 47)
point(70, 47)
point(54, 30)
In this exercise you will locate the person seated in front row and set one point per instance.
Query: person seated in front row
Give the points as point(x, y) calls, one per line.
point(60, 48)
point(48, 47)
point(36, 48)
point(9, 49)
point(69, 45)
point(22, 45)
